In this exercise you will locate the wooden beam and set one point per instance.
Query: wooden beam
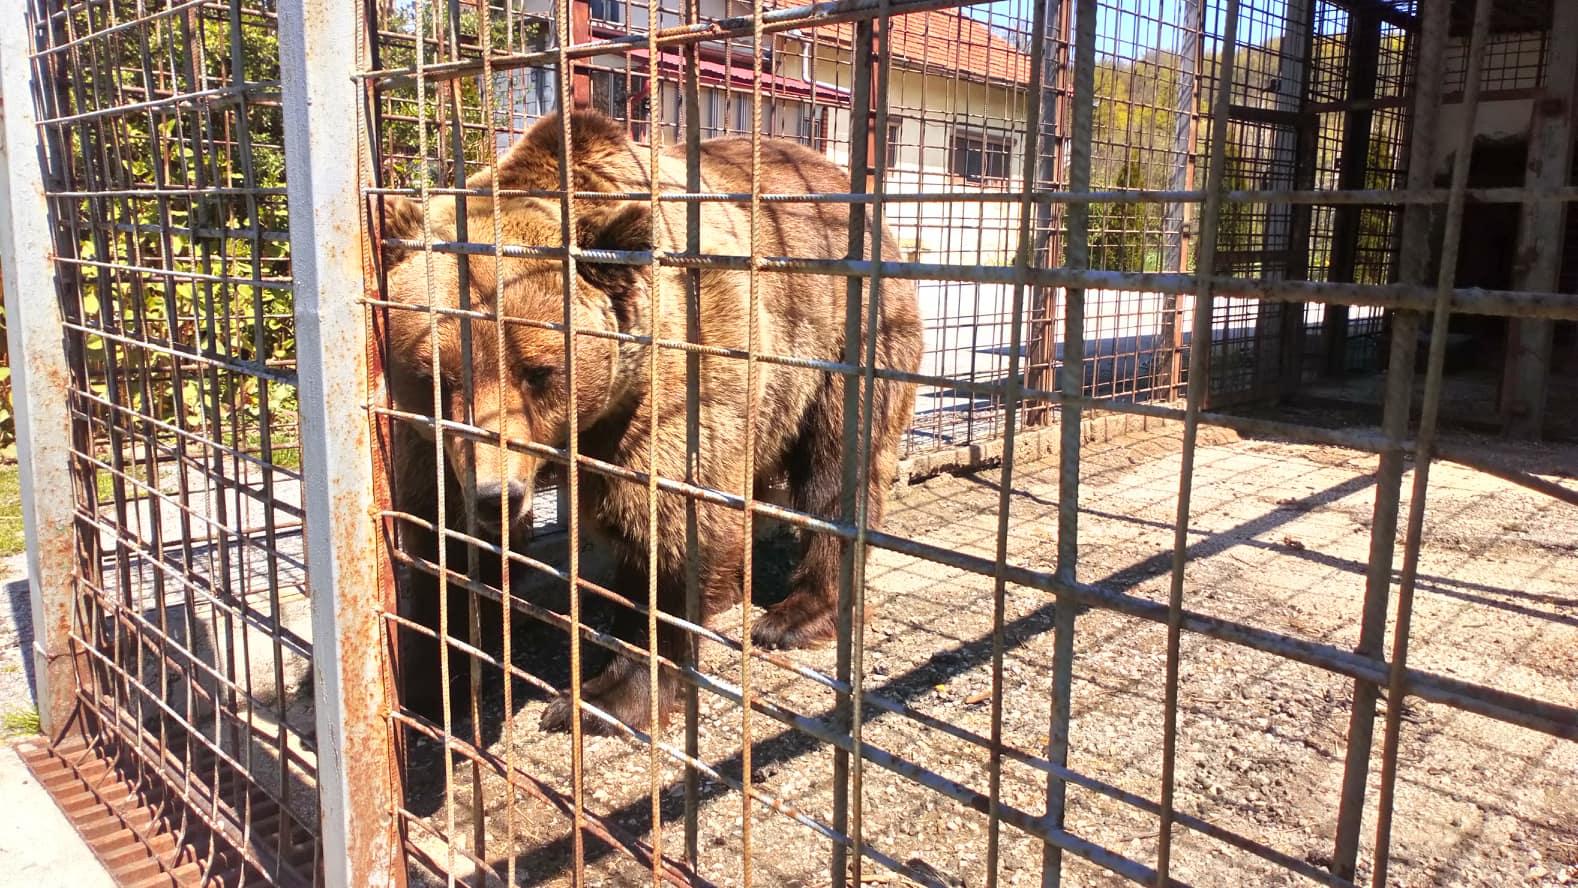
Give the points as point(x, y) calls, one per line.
point(1381, 11)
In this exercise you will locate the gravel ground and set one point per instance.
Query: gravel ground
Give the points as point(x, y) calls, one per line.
point(1279, 541)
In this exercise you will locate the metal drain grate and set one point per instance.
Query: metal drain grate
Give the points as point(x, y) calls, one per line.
point(142, 831)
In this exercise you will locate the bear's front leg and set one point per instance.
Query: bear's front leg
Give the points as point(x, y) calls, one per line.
point(623, 688)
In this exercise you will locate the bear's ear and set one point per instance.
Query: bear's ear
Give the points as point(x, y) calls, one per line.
point(604, 157)
point(627, 229)
point(402, 220)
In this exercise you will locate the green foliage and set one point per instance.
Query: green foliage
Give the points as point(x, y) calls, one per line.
point(1118, 238)
point(1139, 142)
point(1135, 147)
point(12, 540)
point(202, 205)
point(410, 115)
point(7, 417)
point(20, 723)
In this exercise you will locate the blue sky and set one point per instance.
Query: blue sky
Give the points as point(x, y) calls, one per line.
point(1117, 20)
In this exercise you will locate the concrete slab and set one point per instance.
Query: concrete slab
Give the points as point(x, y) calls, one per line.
point(38, 846)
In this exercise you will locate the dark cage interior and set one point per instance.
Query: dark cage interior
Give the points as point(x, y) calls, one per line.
point(914, 441)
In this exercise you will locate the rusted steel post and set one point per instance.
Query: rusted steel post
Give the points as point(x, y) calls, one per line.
point(1054, 103)
point(1071, 384)
point(40, 374)
point(355, 774)
point(1175, 216)
point(581, 32)
point(1364, 50)
point(1538, 259)
point(1278, 328)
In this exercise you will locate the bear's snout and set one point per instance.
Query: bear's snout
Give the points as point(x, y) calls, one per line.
point(490, 498)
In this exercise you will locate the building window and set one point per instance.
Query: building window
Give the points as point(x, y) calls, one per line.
point(741, 124)
point(711, 113)
point(895, 127)
point(788, 119)
point(612, 11)
point(727, 112)
point(979, 155)
point(612, 93)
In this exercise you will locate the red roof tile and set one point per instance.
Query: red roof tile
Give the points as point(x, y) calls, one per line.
point(945, 41)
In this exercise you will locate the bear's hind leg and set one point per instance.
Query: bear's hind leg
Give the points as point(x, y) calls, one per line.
point(806, 618)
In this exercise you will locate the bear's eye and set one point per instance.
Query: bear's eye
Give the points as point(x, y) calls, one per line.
point(423, 376)
point(536, 377)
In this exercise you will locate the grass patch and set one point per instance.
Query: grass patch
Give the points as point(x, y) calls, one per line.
point(20, 723)
point(11, 538)
point(287, 457)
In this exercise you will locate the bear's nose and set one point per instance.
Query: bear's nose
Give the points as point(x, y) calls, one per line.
point(490, 497)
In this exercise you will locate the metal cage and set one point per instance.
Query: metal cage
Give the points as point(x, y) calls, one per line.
point(286, 635)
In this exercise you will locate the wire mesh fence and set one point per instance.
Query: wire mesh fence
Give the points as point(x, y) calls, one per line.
point(164, 179)
point(577, 389)
point(965, 120)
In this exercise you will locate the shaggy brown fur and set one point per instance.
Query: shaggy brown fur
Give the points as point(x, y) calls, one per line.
point(799, 414)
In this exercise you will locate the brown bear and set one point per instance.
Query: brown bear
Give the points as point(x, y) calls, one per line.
point(799, 412)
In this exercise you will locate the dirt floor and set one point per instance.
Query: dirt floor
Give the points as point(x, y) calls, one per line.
point(1279, 541)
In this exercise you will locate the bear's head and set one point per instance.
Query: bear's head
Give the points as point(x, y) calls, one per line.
point(499, 386)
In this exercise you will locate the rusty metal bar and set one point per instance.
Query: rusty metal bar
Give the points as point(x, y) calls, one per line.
point(506, 516)
point(1466, 300)
point(1414, 254)
point(1071, 383)
point(355, 768)
point(40, 373)
point(748, 474)
point(564, 39)
point(1049, 218)
point(1024, 259)
point(1296, 196)
point(876, 173)
point(850, 494)
point(1305, 152)
point(654, 380)
point(1430, 410)
point(1198, 387)
point(693, 605)
point(447, 27)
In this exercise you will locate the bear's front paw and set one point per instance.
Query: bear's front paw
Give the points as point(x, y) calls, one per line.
point(799, 621)
point(556, 719)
